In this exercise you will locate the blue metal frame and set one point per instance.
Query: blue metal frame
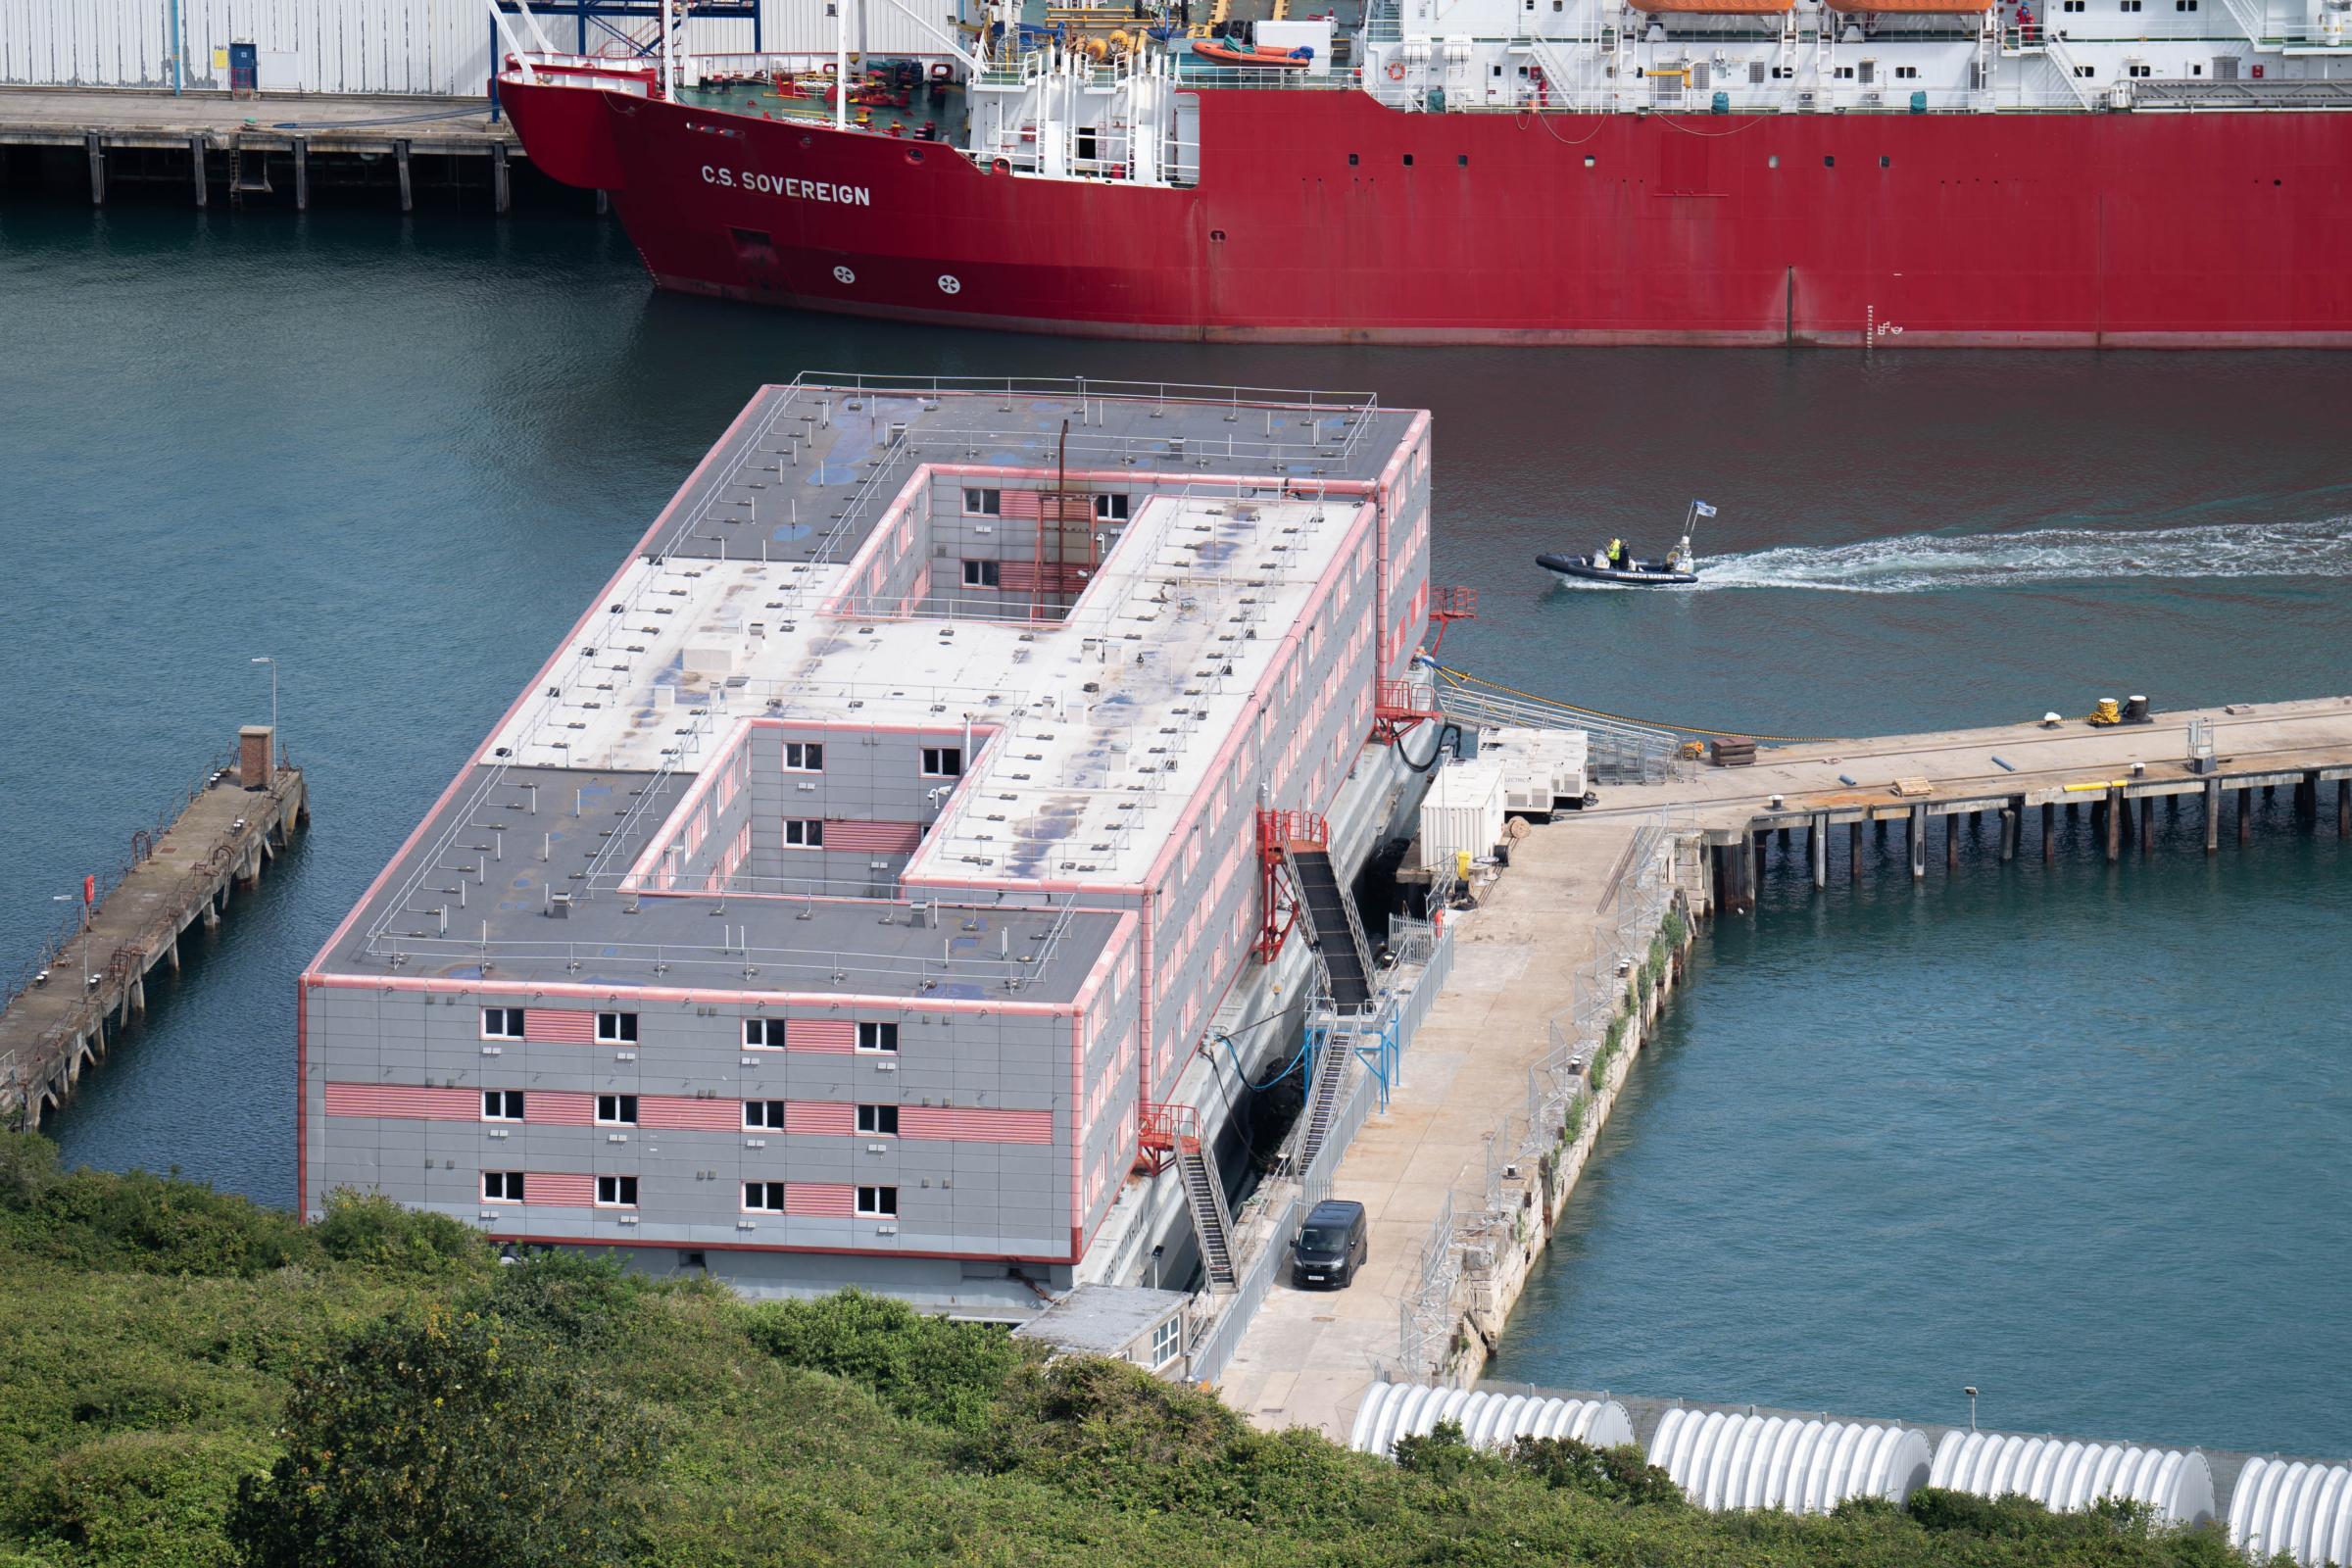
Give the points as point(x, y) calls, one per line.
point(1379, 1026)
point(599, 11)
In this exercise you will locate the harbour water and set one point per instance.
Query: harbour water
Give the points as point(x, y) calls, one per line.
point(2001, 1132)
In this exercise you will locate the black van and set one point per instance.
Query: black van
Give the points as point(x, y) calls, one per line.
point(1331, 1245)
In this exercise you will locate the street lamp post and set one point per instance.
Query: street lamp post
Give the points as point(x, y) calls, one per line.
point(273, 740)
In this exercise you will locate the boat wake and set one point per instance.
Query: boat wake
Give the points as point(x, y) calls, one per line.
point(1918, 563)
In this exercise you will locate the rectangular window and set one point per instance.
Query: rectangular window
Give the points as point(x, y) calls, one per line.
point(1845, 72)
point(983, 502)
point(880, 1120)
point(764, 1197)
point(617, 1110)
point(617, 1192)
point(943, 761)
point(502, 1187)
point(1110, 509)
point(981, 574)
point(1165, 1339)
point(763, 1034)
point(615, 1028)
point(2085, 71)
point(2144, 71)
point(501, 1023)
point(764, 1115)
point(804, 832)
point(877, 1037)
point(804, 757)
point(502, 1104)
point(878, 1202)
point(1907, 72)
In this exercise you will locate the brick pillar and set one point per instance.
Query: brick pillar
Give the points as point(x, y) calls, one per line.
point(253, 755)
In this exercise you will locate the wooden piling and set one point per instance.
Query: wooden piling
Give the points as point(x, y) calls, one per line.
point(1880, 823)
point(1951, 842)
point(1757, 876)
point(2049, 831)
point(2115, 823)
point(302, 174)
point(2009, 816)
point(400, 155)
point(498, 176)
point(1917, 839)
point(2213, 815)
point(2343, 807)
point(196, 157)
point(1853, 851)
point(97, 154)
point(2148, 825)
point(2307, 799)
point(1816, 843)
point(1784, 838)
point(2245, 816)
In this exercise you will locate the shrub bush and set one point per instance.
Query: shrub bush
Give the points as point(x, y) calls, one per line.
point(447, 1441)
point(371, 1230)
point(950, 1373)
point(1621, 1474)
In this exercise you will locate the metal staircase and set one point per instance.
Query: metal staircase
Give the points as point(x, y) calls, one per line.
point(1324, 1093)
point(1175, 1131)
point(1332, 925)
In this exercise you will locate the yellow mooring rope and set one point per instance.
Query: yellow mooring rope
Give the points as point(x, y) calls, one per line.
point(1458, 678)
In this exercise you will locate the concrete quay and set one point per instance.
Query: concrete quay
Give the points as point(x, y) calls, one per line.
point(211, 144)
point(54, 1026)
point(1463, 1175)
point(1513, 1072)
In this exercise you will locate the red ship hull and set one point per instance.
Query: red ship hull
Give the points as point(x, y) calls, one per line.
point(1324, 216)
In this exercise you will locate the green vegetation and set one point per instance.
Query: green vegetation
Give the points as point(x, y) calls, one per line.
point(187, 1381)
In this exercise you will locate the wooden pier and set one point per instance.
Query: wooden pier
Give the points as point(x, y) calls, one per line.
point(56, 1024)
point(1455, 1226)
point(2010, 784)
point(216, 147)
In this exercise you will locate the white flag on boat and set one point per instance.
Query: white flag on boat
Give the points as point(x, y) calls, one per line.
point(1703, 508)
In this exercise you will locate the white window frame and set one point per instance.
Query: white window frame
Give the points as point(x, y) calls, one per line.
point(622, 1196)
point(812, 830)
point(804, 757)
point(615, 1028)
point(979, 573)
point(505, 1098)
point(982, 502)
point(512, 1022)
point(943, 761)
point(766, 1108)
point(883, 1034)
point(1109, 508)
point(764, 1028)
point(871, 1118)
point(882, 1204)
point(1167, 1342)
point(762, 1191)
point(507, 1181)
point(621, 1102)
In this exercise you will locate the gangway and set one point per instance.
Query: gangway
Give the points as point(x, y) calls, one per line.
point(1301, 841)
point(1619, 751)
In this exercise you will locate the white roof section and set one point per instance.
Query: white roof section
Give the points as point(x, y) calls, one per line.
point(1489, 1419)
point(1176, 631)
point(2068, 1477)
